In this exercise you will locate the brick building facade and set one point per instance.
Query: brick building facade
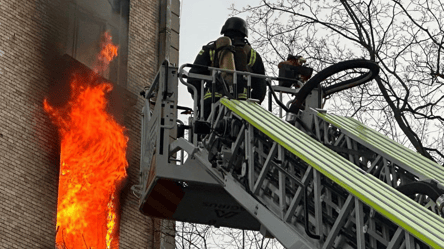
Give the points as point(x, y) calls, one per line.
point(35, 36)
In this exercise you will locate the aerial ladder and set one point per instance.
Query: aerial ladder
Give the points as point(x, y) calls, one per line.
point(310, 178)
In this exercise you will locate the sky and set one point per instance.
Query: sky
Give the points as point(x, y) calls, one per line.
point(200, 23)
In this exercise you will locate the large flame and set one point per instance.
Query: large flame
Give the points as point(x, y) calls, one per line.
point(92, 162)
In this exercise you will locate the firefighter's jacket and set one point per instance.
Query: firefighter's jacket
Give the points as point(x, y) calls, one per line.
point(207, 57)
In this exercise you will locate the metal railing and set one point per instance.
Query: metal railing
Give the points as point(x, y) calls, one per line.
point(212, 78)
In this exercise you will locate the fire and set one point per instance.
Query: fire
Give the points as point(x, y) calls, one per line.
point(92, 162)
point(107, 53)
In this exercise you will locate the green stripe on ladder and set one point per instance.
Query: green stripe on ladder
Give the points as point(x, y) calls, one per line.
point(417, 162)
point(417, 220)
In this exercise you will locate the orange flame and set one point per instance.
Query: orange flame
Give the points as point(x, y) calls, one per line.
point(92, 162)
point(107, 53)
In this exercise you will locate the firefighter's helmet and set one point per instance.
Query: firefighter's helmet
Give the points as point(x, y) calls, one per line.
point(235, 24)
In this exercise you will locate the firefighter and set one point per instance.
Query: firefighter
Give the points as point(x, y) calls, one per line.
point(234, 52)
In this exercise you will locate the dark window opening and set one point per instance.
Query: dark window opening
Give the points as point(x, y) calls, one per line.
point(87, 22)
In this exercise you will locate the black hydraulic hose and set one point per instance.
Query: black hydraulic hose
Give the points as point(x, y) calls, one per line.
point(286, 109)
point(352, 82)
point(331, 70)
point(307, 229)
point(424, 188)
point(275, 97)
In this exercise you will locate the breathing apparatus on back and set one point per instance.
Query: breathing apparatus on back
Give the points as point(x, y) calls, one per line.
point(231, 51)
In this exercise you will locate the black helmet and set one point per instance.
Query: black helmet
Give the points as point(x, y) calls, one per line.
point(235, 24)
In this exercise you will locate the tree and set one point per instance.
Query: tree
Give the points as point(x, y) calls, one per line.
point(404, 37)
point(191, 236)
point(405, 102)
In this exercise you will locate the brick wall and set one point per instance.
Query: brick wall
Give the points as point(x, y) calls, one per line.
point(28, 142)
point(136, 229)
point(32, 40)
point(147, 42)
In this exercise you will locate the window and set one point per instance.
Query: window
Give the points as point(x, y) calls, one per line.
point(87, 22)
